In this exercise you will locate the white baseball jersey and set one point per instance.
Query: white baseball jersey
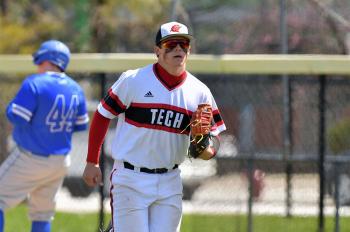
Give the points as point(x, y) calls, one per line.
point(153, 120)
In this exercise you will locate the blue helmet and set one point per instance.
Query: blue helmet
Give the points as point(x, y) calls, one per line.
point(54, 51)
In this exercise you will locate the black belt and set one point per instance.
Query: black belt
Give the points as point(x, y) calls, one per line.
point(147, 170)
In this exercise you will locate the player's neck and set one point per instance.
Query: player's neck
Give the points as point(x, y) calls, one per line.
point(180, 74)
point(173, 70)
point(47, 67)
point(167, 79)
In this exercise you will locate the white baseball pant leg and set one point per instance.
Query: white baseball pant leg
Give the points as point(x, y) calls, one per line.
point(143, 202)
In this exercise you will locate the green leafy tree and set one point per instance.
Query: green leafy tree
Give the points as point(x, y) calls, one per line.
point(221, 26)
point(116, 26)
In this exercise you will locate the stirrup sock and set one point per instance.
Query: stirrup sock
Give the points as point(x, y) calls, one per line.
point(41, 226)
point(2, 221)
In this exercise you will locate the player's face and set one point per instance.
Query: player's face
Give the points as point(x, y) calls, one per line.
point(173, 52)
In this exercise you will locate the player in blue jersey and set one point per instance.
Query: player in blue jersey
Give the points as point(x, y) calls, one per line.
point(45, 112)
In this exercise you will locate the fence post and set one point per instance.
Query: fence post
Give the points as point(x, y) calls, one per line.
point(287, 140)
point(321, 151)
point(246, 145)
point(337, 172)
point(287, 108)
point(250, 191)
point(102, 77)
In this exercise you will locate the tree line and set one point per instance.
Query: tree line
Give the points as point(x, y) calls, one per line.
point(220, 26)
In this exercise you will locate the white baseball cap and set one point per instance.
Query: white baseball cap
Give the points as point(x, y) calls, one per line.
point(172, 29)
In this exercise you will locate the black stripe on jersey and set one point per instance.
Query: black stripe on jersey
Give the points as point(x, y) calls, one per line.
point(112, 103)
point(217, 118)
point(159, 117)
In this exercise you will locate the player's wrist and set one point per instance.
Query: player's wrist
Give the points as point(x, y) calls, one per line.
point(208, 153)
point(92, 164)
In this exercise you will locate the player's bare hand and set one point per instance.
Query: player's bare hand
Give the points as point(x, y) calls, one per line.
point(92, 174)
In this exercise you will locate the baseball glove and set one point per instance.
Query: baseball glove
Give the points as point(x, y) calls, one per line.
point(200, 129)
point(201, 121)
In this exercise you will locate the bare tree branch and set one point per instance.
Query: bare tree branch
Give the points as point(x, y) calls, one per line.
point(335, 20)
point(332, 14)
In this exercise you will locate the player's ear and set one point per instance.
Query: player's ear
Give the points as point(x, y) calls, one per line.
point(156, 50)
point(189, 50)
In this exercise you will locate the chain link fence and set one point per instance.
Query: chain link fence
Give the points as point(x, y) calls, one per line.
point(253, 174)
point(250, 174)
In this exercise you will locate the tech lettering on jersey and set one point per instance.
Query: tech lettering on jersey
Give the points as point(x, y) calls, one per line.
point(166, 117)
point(158, 116)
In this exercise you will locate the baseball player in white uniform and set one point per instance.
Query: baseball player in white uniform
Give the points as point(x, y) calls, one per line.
point(154, 105)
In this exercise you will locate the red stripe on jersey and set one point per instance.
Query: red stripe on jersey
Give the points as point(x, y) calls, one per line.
point(157, 127)
point(116, 99)
point(111, 196)
point(108, 108)
point(216, 112)
point(213, 127)
point(112, 103)
point(162, 106)
point(219, 123)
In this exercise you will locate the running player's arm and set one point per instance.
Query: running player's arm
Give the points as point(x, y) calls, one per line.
point(97, 133)
point(81, 122)
point(92, 174)
point(20, 109)
point(109, 108)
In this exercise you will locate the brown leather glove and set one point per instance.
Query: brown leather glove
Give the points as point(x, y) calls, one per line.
point(200, 129)
point(201, 121)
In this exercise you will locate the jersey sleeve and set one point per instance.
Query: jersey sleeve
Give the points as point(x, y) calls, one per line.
point(20, 110)
point(82, 119)
point(218, 123)
point(117, 99)
point(97, 133)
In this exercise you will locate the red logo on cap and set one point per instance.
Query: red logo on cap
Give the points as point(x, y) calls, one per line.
point(175, 28)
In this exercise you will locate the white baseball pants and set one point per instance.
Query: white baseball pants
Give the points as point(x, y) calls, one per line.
point(143, 202)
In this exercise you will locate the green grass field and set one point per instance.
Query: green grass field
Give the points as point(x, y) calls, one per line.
point(17, 221)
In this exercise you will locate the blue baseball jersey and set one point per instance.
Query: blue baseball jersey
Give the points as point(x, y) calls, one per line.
point(46, 111)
